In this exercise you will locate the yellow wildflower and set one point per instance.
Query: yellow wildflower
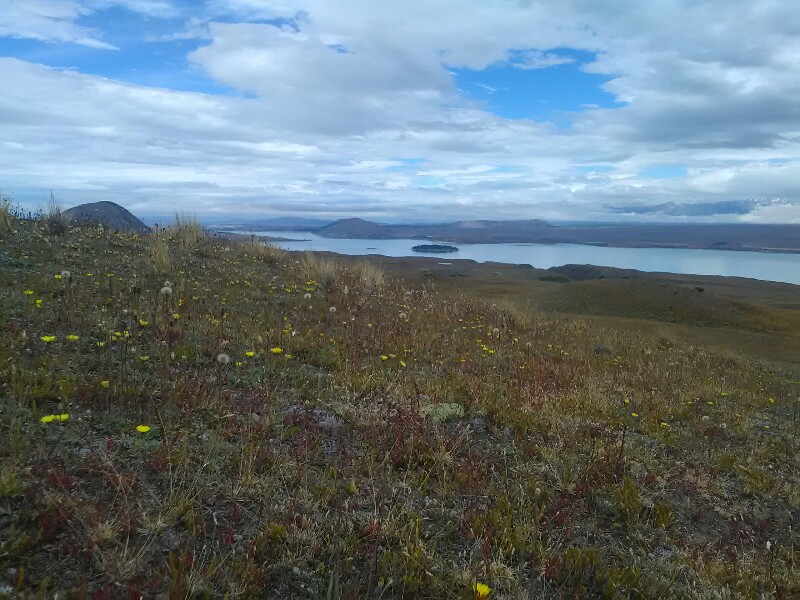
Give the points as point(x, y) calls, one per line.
point(105, 384)
point(38, 303)
point(481, 590)
point(73, 338)
point(250, 354)
point(276, 350)
point(143, 323)
point(142, 428)
point(28, 292)
point(634, 414)
point(48, 338)
point(50, 418)
point(384, 357)
point(144, 358)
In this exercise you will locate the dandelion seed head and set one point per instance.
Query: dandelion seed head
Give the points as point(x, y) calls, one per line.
point(66, 274)
point(403, 316)
point(223, 358)
point(306, 296)
point(332, 309)
point(166, 291)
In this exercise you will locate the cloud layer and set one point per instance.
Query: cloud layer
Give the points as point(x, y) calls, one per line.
point(350, 108)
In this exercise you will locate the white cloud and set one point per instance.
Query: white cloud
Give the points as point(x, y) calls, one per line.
point(536, 59)
point(57, 20)
point(338, 95)
point(48, 21)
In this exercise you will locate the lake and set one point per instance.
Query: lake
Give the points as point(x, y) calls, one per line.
point(756, 265)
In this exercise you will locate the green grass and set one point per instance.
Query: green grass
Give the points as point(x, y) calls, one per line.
point(368, 437)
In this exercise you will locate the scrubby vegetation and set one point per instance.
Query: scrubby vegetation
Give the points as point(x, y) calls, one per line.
point(192, 417)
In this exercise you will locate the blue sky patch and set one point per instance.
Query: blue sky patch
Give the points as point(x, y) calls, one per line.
point(664, 172)
point(549, 93)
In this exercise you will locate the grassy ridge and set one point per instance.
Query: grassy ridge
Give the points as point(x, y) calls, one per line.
point(753, 319)
point(662, 302)
point(269, 425)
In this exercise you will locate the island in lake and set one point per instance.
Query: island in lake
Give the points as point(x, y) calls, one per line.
point(434, 248)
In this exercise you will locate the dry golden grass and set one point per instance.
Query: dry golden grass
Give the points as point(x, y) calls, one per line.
point(270, 253)
point(159, 251)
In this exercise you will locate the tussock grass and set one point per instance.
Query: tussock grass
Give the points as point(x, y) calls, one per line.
point(5, 216)
point(270, 253)
point(371, 277)
point(54, 220)
point(391, 444)
point(159, 251)
point(323, 270)
point(186, 231)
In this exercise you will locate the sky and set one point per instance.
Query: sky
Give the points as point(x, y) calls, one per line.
point(420, 110)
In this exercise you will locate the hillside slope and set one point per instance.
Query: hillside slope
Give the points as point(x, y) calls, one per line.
point(287, 426)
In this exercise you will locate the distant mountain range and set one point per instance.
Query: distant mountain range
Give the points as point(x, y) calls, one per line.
point(757, 238)
point(284, 223)
point(460, 231)
point(761, 238)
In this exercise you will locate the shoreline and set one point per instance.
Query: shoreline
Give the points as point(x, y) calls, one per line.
point(597, 244)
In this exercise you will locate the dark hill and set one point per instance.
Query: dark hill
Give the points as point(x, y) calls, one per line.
point(355, 228)
point(108, 214)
